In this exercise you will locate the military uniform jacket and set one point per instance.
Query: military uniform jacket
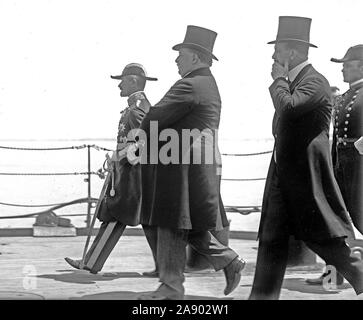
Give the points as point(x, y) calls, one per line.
point(348, 117)
point(125, 205)
point(316, 210)
point(179, 195)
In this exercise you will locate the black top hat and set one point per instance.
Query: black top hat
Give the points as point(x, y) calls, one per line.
point(293, 29)
point(353, 53)
point(134, 69)
point(199, 38)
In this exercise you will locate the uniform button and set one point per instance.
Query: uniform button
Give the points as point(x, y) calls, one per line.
point(349, 108)
point(345, 129)
point(347, 115)
point(336, 129)
point(346, 122)
point(345, 136)
point(344, 143)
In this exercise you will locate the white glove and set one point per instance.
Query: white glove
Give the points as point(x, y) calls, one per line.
point(359, 145)
point(132, 158)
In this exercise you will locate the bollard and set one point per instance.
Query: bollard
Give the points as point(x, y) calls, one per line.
point(195, 261)
point(300, 254)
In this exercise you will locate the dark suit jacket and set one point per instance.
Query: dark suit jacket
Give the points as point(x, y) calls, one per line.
point(181, 195)
point(316, 209)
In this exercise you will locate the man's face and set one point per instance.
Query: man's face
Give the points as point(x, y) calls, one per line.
point(352, 71)
point(184, 61)
point(282, 53)
point(126, 86)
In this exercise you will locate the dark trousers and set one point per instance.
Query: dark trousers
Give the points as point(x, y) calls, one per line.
point(348, 171)
point(107, 238)
point(171, 256)
point(273, 251)
point(272, 260)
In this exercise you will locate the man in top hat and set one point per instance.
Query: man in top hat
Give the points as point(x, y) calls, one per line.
point(182, 197)
point(121, 204)
point(347, 153)
point(301, 196)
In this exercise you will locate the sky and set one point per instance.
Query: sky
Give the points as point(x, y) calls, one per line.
point(57, 56)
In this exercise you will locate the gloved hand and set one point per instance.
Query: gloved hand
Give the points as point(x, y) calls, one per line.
point(132, 158)
point(359, 145)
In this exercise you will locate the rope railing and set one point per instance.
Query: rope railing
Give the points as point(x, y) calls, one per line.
point(247, 179)
point(53, 206)
point(83, 146)
point(48, 174)
point(246, 154)
point(58, 206)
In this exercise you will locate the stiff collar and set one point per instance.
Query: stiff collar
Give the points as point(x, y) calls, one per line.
point(135, 96)
point(356, 84)
point(203, 71)
point(293, 73)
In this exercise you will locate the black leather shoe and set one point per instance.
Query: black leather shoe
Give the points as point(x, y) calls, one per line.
point(233, 274)
point(73, 263)
point(151, 274)
point(319, 281)
point(77, 265)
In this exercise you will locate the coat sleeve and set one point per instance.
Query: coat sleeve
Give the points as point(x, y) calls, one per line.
point(176, 104)
point(304, 99)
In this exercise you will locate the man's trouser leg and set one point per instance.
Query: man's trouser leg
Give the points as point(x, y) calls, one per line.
point(171, 257)
point(151, 234)
point(207, 245)
point(273, 246)
point(337, 253)
point(102, 246)
point(270, 270)
point(349, 175)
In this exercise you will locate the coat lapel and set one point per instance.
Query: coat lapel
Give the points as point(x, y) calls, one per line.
point(299, 77)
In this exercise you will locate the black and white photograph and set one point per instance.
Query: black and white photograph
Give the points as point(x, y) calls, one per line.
point(198, 151)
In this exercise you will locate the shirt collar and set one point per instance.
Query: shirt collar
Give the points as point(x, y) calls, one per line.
point(293, 73)
point(356, 83)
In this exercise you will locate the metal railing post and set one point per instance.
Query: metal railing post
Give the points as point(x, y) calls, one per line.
point(89, 205)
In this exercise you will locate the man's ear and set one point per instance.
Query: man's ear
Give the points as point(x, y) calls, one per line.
point(195, 58)
point(293, 54)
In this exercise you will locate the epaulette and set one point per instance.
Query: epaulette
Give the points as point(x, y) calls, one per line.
point(137, 96)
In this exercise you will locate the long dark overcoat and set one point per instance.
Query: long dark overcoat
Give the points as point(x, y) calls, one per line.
point(125, 205)
point(315, 207)
point(182, 195)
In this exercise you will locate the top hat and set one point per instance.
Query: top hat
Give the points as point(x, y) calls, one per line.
point(134, 69)
point(353, 53)
point(294, 29)
point(198, 38)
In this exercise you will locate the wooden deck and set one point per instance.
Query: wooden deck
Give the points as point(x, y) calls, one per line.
point(34, 268)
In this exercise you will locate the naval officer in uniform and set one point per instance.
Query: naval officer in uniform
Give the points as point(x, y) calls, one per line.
point(347, 153)
point(121, 205)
